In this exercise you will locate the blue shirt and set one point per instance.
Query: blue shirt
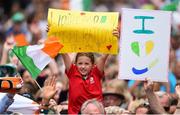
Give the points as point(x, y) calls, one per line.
point(172, 83)
point(6, 100)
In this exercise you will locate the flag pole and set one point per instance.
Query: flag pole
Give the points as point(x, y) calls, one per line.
point(38, 85)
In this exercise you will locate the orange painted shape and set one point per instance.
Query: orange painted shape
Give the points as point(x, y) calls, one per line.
point(16, 82)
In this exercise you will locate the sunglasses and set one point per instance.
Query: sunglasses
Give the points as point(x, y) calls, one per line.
point(7, 71)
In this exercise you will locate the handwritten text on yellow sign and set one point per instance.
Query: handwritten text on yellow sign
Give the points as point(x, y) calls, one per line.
point(84, 31)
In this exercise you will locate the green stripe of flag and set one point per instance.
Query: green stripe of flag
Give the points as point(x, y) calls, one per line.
point(26, 61)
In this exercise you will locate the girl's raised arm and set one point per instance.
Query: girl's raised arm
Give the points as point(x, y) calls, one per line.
point(67, 60)
point(101, 62)
point(103, 58)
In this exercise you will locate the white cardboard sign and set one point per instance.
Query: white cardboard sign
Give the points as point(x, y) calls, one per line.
point(144, 44)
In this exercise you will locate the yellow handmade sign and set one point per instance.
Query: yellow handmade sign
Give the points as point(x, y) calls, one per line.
point(81, 31)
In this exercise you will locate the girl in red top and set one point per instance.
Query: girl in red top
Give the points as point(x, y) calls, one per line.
point(84, 78)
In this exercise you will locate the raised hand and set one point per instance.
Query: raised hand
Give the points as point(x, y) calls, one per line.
point(148, 85)
point(178, 90)
point(116, 32)
point(53, 106)
point(49, 89)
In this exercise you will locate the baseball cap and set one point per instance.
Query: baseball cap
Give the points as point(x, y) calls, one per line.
point(18, 17)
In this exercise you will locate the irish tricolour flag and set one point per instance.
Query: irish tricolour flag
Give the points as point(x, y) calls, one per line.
point(34, 58)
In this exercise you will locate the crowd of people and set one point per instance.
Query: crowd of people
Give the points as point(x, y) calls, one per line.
point(83, 83)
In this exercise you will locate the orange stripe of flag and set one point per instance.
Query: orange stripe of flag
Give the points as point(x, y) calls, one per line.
point(52, 46)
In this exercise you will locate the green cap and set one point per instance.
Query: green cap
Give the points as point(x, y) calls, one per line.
point(18, 17)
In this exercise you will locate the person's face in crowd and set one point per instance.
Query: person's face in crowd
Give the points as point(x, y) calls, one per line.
point(141, 110)
point(84, 65)
point(177, 70)
point(157, 3)
point(164, 101)
point(91, 109)
point(64, 4)
point(17, 27)
point(172, 109)
point(14, 60)
point(175, 42)
point(10, 43)
point(47, 72)
point(172, 56)
point(59, 87)
point(15, 7)
point(111, 100)
point(26, 77)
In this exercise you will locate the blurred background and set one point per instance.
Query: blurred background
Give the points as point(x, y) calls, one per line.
point(33, 13)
